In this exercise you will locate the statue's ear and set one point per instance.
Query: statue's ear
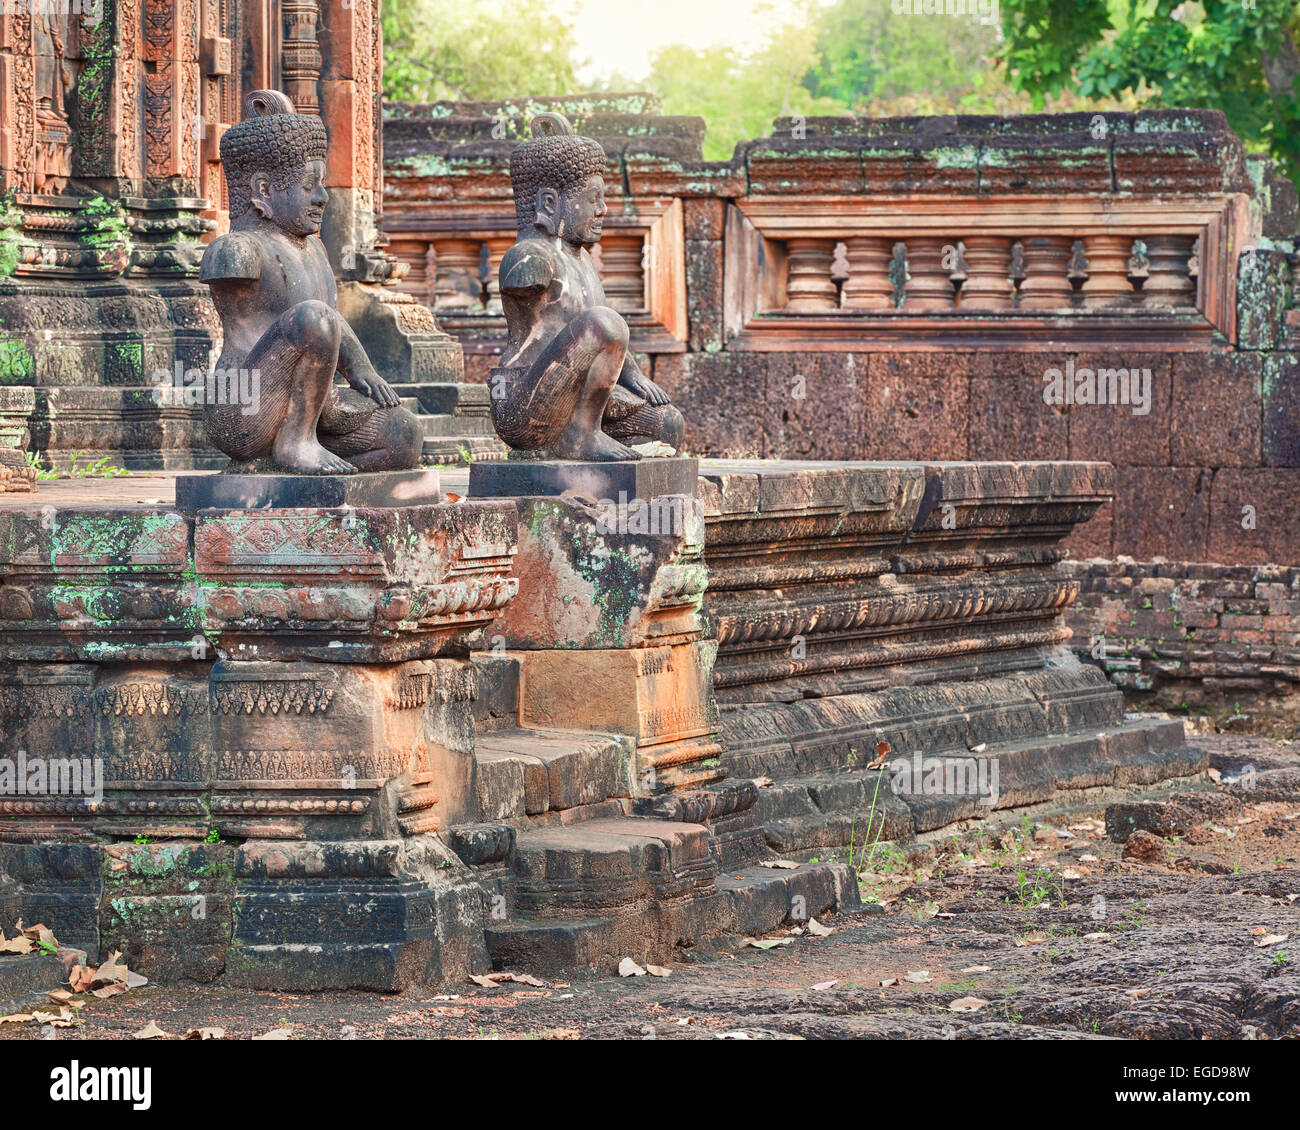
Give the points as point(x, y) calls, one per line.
point(548, 209)
point(260, 193)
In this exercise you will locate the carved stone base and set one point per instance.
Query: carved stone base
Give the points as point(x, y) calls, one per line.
point(231, 491)
point(642, 479)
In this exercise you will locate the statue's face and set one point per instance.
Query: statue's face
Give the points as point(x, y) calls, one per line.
point(299, 208)
point(576, 216)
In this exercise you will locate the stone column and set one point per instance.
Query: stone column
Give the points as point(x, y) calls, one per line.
point(809, 287)
point(988, 283)
point(929, 288)
point(1107, 284)
point(401, 336)
point(1168, 285)
point(868, 286)
point(1047, 265)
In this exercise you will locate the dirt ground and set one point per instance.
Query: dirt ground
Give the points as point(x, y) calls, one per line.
point(1052, 929)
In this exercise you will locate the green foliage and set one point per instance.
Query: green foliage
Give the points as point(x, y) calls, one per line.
point(865, 51)
point(484, 49)
point(740, 97)
point(1217, 54)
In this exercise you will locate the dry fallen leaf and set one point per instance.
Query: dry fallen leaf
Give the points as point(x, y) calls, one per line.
point(764, 782)
point(1137, 994)
point(784, 864)
point(108, 991)
point(882, 755)
point(817, 930)
point(1071, 873)
point(888, 981)
point(822, 986)
point(918, 976)
point(205, 1034)
point(768, 943)
point(60, 996)
point(16, 1018)
point(967, 1004)
point(151, 1031)
point(18, 945)
point(276, 1034)
point(1271, 939)
point(658, 971)
point(486, 982)
point(978, 969)
point(60, 1019)
point(629, 968)
point(1087, 858)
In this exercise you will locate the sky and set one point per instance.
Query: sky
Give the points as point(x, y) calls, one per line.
point(621, 35)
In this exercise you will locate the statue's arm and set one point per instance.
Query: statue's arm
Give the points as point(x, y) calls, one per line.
point(526, 269)
point(231, 257)
point(356, 368)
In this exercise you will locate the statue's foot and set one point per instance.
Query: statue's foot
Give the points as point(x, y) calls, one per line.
point(594, 447)
point(307, 457)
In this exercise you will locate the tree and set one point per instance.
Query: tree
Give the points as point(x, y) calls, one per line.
point(739, 97)
point(1217, 54)
point(866, 51)
point(475, 49)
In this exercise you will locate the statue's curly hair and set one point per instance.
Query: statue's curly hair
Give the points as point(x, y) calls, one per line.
point(555, 157)
point(272, 139)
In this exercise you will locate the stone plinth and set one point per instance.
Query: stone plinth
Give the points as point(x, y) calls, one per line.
point(274, 492)
point(293, 684)
point(607, 628)
point(643, 479)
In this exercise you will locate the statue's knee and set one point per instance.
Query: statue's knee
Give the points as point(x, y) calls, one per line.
point(608, 325)
point(315, 326)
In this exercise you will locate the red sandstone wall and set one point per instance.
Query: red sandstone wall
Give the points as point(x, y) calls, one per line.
point(779, 354)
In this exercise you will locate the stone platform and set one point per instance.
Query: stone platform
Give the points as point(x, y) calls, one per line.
point(384, 746)
point(276, 707)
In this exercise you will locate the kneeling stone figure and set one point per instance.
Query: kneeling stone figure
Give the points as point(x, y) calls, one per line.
point(273, 287)
point(567, 387)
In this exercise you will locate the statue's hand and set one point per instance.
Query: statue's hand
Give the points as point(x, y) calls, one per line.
point(371, 384)
point(651, 391)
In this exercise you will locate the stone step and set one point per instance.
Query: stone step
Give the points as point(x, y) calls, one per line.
point(833, 810)
point(581, 870)
point(445, 399)
point(524, 775)
point(439, 427)
point(452, 450)
point(26, 979)
point(751, 901)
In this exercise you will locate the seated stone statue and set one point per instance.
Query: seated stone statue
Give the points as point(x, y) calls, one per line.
point(567, 386)
point(274, 289)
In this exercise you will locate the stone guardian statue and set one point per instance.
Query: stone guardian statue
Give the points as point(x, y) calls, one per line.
point(567, 386)
point(274, 289)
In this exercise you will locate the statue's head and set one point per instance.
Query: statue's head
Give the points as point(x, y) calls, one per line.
point(274, 161)
point(559, 183)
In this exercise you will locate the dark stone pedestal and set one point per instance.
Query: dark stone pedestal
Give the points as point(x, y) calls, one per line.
point(256, 492)
point(640, 478)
